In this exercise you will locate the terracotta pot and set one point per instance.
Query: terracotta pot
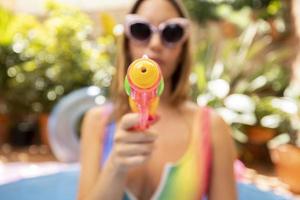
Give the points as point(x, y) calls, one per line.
point(43, 128)
point(287, 165)
point(4, 129)
point(256, 154)
point(259, 135)
point(228, 29)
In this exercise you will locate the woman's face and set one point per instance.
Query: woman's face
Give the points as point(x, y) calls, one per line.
point(156, 12)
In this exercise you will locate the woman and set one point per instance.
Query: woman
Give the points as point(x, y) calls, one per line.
point(186, 154)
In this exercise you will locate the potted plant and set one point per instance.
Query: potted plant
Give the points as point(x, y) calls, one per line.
point(9, 56)
point(61, 56)
point(247, 81)
point(285, 148)
point(240, 78)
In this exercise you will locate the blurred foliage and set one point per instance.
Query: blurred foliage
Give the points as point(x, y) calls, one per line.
point(203, 10)
point(239, 12)
point(9, 25)
point(57, 54)
point(246, 79)
point(242, 77)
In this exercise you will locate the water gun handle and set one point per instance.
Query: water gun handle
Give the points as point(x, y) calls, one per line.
point(144, 84)
point(143, 108)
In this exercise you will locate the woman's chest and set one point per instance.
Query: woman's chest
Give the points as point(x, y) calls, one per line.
point(170, 162)
point(174, 160)
point(160, 179)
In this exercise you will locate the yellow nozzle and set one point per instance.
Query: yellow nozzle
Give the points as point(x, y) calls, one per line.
point(144, 73)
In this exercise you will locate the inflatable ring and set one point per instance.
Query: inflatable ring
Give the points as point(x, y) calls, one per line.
point(65, 119)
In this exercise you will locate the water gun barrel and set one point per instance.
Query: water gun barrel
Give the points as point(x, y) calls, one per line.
point(144, 84)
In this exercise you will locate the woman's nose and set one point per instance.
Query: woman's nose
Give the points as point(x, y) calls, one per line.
point(155, 42)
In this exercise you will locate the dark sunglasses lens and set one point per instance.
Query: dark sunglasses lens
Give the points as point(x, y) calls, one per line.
point(140, 31)
point(172, 33)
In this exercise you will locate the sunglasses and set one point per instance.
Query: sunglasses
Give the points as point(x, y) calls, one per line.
point(172, 31)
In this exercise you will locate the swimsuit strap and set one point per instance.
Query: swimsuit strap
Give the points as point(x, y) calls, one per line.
point(207, 147)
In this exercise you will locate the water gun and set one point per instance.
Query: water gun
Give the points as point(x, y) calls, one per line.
point(144, 84)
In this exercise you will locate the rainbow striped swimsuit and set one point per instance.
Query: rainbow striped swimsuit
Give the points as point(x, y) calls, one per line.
point(180, 180)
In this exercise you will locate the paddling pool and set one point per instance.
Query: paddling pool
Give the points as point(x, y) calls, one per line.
point(62, 185)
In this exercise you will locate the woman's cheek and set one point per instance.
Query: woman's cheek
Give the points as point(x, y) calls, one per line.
point(172, 60)
point(136, 51)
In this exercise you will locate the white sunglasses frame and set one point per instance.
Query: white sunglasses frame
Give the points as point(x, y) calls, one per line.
point(133, 18)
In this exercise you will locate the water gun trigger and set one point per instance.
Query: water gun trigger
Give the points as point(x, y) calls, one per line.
point(151, 120)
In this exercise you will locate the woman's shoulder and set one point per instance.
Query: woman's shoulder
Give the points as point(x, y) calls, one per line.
point(192, 107)
point(215, 119)
point(99, 112)
point(189, 107)
point(95, 121)
point(98, 115)
point(220, 131)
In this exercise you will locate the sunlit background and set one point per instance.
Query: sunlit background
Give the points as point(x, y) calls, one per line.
point(57, 60)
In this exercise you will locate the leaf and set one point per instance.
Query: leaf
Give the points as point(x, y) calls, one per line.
point(201, 80)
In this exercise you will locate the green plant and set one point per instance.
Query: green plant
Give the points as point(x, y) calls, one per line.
point(245, 79)
point(204, 10)
point(7, 56)
point(235, 15)
point(10, 26)
point(60, 56)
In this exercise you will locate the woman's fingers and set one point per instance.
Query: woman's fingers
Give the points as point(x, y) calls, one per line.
point(134, 149)
point(129, 120)
point(135, 137)
point(132, 154)
point(134, 160)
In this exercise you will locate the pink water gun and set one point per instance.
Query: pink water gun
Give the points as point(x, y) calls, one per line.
point(144, 84)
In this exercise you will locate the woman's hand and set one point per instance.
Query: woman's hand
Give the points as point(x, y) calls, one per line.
point(131, 147)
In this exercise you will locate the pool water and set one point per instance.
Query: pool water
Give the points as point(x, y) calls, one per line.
point(63, 186)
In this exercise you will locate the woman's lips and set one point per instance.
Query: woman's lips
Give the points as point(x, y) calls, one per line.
point(159, 61)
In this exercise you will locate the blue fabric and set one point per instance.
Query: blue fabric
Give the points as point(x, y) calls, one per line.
point(63, 186)
point(126, 197)
point(108, 141)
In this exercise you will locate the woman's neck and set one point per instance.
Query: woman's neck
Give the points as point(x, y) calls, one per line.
point(165, 97)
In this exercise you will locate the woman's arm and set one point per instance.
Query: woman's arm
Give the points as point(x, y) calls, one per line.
point(131, 148)
point(91, 182)
point(222, 185)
